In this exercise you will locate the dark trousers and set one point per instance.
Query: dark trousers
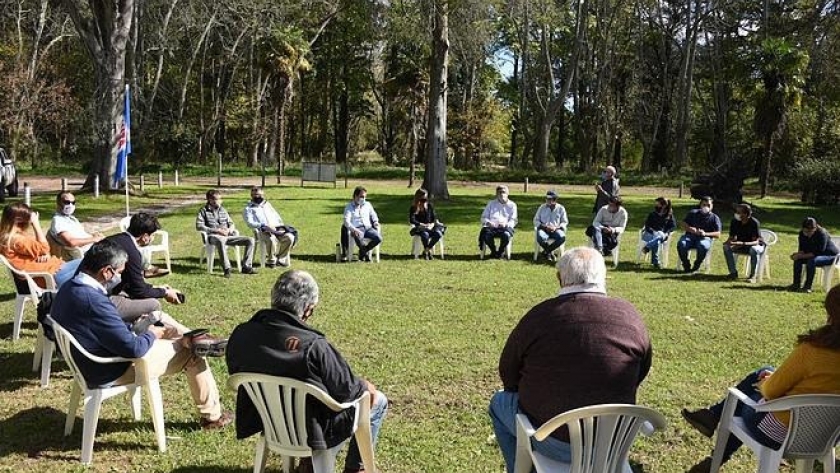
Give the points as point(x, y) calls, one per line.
point(488, 237)
point(428, 237)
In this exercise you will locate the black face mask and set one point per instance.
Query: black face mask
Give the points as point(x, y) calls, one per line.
point(257, 200)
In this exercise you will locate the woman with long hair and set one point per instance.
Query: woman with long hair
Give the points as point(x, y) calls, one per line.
point(812, 368)
point(424, 222)
point(658, 227)
point(23, 243)
point(815, 249)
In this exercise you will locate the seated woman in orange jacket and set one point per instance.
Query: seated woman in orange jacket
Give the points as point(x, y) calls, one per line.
point(813, 367)
point(29, 253)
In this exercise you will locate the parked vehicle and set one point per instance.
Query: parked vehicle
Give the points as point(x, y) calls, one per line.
point(8, 176)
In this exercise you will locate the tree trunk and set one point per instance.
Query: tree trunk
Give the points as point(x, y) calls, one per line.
point(434, 180)
point(767, 160)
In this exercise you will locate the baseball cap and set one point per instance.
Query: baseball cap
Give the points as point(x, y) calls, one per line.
point(551, 195)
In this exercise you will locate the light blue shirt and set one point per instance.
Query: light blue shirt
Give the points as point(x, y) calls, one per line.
point(554, 217)
point(360, 216)
point(263, 214)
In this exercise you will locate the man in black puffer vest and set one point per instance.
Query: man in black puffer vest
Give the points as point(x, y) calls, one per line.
point(278, 342)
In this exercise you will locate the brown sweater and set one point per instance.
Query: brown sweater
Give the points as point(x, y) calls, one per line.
point(573, 351)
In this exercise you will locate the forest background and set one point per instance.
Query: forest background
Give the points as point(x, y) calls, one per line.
point(551, 86)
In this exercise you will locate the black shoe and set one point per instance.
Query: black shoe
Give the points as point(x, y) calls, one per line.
point(248, 270)
point(645, 250)
point(806, 290)
point(733, 276)
point(657, 266)
point(270, 264)
point(702, 419)
point(227, 272)
point(704, 466)
point(793, 288)
point(607, 253)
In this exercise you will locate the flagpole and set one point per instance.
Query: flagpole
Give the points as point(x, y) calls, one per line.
point(126, 114)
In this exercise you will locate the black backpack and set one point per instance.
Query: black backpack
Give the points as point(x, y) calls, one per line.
point(43, 309)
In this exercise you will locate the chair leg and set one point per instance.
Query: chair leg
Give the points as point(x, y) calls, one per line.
point(440, 243)
point(260, 456)
point(46, 362)
point(156, 408)
point(20, 307)
point(39, 349)
point(804, 466)
point(828, 462)
point(238, 258)
point(92, 409)
point(136, 409)
point(72, 407)
point(168, 261)
point(211, 258)
point(323, 461)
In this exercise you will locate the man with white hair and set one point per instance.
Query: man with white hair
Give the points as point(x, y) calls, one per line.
point(578, 349)
point(278, 342)
point(498, 221)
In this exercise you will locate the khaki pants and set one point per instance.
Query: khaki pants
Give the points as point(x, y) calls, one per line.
point(167, 357)
point(280, 246)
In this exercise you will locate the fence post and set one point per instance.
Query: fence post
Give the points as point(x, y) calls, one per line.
point(526, 185)
point(681, 189)
point(142, 183)
point(160, 179)
point(96, 186)
point(63, 184)
point(176, 178)
point(27, 194)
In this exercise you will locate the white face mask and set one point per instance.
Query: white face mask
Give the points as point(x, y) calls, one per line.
point(503, 198)
point(113, 282)
point(705, 209)
point(362, 201)
point(68, 209)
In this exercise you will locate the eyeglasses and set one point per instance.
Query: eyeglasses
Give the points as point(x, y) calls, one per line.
point(68, 202)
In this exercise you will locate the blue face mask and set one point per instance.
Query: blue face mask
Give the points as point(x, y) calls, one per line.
point(362, 201)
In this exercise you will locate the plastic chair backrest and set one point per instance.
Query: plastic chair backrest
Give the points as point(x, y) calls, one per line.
point(281, 403)
point(124, 222)
point(601, 436)
point(65, 340)
point(770, 238)
point(814, 423)
point(34, 289)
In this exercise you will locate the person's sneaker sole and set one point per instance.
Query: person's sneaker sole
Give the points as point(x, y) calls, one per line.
point(694, 420)
point(214, 349)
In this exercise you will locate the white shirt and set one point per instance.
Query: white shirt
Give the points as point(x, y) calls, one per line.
point(87, 280)
point(67, 223)
point(617, 221)
point(263, 214)
point(500, 214)
point(597, 288)
point(360, 216)
point(554, 217)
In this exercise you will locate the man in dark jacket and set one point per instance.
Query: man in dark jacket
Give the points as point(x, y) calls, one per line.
point(133, 296)
point(278, 342)
point(578, 349)
point(83, 309)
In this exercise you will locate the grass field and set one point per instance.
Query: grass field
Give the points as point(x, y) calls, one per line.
point(429, 334)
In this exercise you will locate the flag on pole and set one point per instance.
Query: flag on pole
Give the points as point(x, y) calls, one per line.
point(124, 146)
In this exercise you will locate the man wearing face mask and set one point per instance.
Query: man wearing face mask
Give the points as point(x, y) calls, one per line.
point(83, 308)
point(260, 215)
point(133, 296)
point(498, 221)
point(608, 225)
point(700, 226)
point(215, 221)
point(362, 223)
point(67, 231)
point(744, 238)
point(550, 223)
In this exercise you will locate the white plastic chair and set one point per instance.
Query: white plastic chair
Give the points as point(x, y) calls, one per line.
point(830, 271)
point(351, 247)
point(42, 359)
point(417, 246)
point(558, 252)
point(34, 295)
point(208, 252)
point(664, 250)
point(813, 432)
point(161, 246)
point(58, 248)
point(762, 270)
point(508, 250)
point(616, 252)
point(281, 403)
point(600, 437)
point(93, 397)
point(707, 263)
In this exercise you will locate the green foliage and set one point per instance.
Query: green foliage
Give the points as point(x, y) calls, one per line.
point(818, 180)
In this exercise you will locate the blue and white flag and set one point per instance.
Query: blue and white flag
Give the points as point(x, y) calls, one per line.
point(124, 147)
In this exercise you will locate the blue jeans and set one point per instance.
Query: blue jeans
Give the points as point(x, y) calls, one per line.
point(428, 237)
point(371, 234)
point(750, 417)
point(504, 405)
point(693, 242)
point(810, 269)
point(377, 415)
point(653, 241)
point(755, 253)
point(66, 271)
point(488, 236)
point(559, 237)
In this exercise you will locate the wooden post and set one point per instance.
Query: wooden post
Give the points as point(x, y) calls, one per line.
point(27, 194)
point(681, 189)
point(96, 186)
point(160, 179)
point(63, 184)
point(526, 185)
point(176, 178)
point(142, 183)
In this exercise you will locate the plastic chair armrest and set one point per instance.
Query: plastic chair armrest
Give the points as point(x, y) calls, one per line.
point(740, 396)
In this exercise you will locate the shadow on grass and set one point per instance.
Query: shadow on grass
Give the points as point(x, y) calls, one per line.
point(637, 467)
point(10, 296)
point(29, 323)
point(17, 371)
point(210, 469)
point(39, 433)
point(753, 287)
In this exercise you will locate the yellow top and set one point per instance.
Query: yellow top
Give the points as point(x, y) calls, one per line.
point(807, 370)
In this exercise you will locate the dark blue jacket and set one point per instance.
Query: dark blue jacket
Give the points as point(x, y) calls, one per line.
point(819, 244)
point(709, 223)
point(660, 223)
point(90, 316)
